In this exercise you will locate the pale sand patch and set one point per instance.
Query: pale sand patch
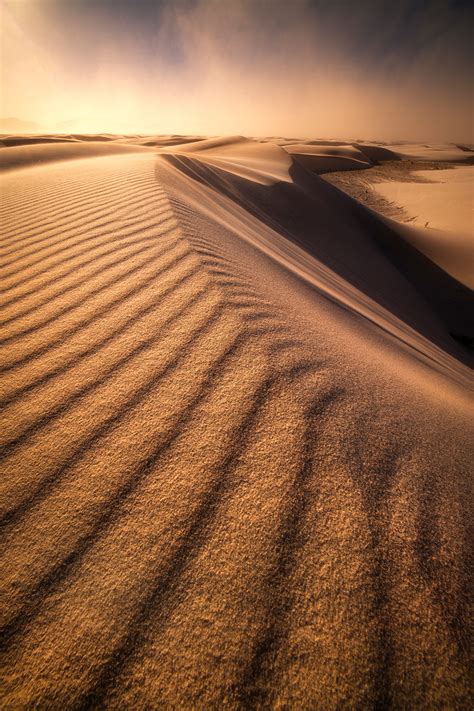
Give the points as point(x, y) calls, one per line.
point(443, 204)
point(433, 151)
point(263, 163)
point(24, 156)
point(444, 200)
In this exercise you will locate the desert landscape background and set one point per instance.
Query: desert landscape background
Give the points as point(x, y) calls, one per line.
point(235, 369)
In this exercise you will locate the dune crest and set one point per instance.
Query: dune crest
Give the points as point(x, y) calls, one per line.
point(235, 438)
point(358, 264)
point(263, 163)
point(322, 159)
point(25, 156)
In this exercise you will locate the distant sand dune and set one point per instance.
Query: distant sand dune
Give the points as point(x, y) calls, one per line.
point(30, 153)
point(322, 159)
point(227, 482)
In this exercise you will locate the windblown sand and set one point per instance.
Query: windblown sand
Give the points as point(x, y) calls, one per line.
point(236, 437)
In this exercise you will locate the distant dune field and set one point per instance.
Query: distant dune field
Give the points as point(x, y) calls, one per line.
point(236, 410)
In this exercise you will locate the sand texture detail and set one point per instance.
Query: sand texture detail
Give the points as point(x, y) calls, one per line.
point(223, 484)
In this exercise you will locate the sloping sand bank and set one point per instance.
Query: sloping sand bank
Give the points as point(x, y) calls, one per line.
point(439, 152)
point(233, 476)
point(323, 159)
point(443, 208)
point(355, 258)
point(26, 155)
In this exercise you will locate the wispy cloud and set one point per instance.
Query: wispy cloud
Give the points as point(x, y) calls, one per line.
point(311, 67)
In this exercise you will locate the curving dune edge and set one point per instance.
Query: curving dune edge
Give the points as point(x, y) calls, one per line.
point(236, 437)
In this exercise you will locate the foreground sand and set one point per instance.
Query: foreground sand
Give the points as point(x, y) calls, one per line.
point(236, 441)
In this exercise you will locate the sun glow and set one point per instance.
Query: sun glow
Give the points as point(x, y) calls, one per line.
point(216, 68)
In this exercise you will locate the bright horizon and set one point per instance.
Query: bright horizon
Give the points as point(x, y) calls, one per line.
point(314, 69)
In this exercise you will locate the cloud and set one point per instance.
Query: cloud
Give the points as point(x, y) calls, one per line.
point(307, 68)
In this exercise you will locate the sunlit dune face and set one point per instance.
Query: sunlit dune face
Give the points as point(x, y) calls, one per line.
point(254, 68)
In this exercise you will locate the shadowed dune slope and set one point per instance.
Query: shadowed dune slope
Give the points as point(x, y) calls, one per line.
point(340, 246)
point(224, 483)
point(444, 203)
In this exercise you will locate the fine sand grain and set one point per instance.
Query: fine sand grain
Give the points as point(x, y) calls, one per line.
point(236, 438)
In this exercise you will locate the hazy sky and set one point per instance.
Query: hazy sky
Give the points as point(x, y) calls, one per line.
point(321, 68)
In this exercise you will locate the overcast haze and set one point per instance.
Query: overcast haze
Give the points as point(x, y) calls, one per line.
point(372, 70)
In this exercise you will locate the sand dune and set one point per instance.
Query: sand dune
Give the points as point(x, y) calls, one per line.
point(444, 203)
point(434, 206)
point(25, 155)
point(364, 266)
point(257, 163)
point(164, 140)
point(235, 439)
point(445, 196)
point(324, 159)
point(439, 152)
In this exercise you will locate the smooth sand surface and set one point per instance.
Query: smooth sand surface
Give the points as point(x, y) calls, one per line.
point(444, 201)
point(434, 207)
point(26, 155)
point(262, 163)
point(440, 152)
point(442, 207)
point(326, 158)
point(236, 441)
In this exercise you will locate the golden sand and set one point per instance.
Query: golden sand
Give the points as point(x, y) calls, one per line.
point(235, 450)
